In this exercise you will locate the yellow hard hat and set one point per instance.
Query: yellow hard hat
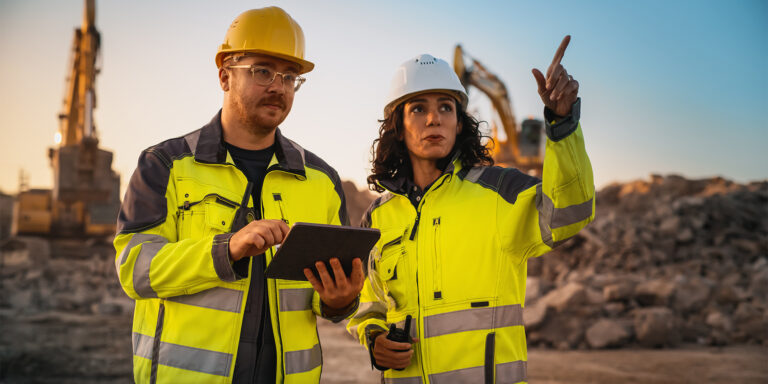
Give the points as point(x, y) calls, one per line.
point(270, 31)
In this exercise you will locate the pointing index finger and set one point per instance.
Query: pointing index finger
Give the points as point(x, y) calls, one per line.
point(561, 50)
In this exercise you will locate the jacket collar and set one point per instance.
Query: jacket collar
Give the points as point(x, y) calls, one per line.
point(207, 146)
point(398, 184)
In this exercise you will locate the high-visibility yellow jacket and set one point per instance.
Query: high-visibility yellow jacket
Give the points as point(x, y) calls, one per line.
point(458, 263)
point(172, 257)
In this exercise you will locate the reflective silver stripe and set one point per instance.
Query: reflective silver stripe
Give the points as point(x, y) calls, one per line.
point(545, 206)
point(142, 345)
point(136, 239)
point(192, 140)
point(142, 265)
point(473, 319)
point(220, 298)
point(474, 174)
point(466, 375)
point(195, 359)
point(414, 327)
point(303, 360)
point(403, 380)
point(296, 299)
point(512, 372)
point(179, 356)
point(571, 215)
point(370, 307)
point(551, 217)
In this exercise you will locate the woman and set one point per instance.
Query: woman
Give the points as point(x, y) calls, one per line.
point(456, 232)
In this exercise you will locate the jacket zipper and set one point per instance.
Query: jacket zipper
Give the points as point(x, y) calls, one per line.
point(437, 271)
point(156, 342)
point(279, 199)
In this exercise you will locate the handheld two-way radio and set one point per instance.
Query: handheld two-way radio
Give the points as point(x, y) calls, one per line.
point(401, 335)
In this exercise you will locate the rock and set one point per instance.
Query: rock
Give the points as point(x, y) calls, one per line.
point(562, 331)
point(570, 297)
point(533, 289)
point(621, 291)
point(606, 334)
point(720, 321)
point(758, 287)
point(613, 309)
point(654, 292)
point(655, 327)
point(535, 314)
point(691, 295)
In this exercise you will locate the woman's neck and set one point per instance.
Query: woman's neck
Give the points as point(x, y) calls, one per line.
point(425, 172)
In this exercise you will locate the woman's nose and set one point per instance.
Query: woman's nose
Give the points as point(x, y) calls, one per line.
point(433, 118)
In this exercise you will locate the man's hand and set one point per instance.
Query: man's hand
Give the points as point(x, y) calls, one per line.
point(256, 237)
point(392, 354)
point(559, 90)
point(338, 293)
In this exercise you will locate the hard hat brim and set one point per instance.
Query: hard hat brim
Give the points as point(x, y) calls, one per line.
point(304, 65)
point(461, 99)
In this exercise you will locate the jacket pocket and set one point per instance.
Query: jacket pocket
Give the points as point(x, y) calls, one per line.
point(393, 271)
point(211, 215)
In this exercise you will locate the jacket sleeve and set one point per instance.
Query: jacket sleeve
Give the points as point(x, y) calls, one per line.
point(150, 259)
point(371, 314)
point(547, 213)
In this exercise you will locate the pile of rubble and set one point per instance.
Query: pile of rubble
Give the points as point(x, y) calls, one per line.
point(666, 261)
point(63, 316)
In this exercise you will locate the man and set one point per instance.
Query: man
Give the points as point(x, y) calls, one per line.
point(202, 214)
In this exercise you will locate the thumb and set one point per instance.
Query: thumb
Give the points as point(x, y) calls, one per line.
point(540, 80)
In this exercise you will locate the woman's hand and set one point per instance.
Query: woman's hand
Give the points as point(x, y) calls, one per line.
point(558, 90)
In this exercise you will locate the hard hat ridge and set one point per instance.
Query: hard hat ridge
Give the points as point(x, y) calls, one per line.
point(424, 73)
point(269, 31)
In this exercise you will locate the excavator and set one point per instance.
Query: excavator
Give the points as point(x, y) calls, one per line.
point(85, 198)
point(522, 147)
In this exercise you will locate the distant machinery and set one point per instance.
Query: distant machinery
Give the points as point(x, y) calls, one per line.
point(522, 148)
point(85, 197)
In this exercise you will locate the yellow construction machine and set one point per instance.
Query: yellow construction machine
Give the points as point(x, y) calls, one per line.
point(522, 148)
point(85, 198)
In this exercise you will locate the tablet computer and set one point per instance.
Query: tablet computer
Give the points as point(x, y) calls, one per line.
point(308, 243)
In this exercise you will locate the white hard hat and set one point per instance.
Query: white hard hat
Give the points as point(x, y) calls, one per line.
point(424, 73)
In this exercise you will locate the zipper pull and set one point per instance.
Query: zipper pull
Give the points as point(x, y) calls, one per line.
point(186, 205)
point(415, 226)
point(279, 198)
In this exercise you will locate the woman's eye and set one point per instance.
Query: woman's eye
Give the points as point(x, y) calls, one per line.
point(417, 109)
point(446, 108)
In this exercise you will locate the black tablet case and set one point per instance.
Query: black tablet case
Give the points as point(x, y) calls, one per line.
point(307, 243)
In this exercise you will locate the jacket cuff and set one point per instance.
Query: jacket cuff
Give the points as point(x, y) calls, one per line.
point(345, 312)
point(371, 332)
point(225, 269)
point(559, 127)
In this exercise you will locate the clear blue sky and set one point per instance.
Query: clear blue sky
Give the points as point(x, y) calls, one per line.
point(667, 86)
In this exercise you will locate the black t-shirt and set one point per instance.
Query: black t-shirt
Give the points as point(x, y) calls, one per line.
point(256, 356)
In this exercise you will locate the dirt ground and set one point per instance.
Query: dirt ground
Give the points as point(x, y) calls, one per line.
point(73, 349)
point(347, 362)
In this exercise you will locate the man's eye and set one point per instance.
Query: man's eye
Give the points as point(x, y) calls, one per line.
point(289, 77)
point(259, 71)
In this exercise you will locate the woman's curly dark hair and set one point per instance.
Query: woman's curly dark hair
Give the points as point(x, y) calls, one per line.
point(390, 156)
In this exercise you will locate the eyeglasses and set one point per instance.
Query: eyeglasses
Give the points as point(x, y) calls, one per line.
point(265, 76)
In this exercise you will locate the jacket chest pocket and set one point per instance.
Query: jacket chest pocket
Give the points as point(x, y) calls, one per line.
point(211, 215)
point(394, 273)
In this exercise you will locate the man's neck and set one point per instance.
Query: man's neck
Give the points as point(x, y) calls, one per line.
point(235, 132)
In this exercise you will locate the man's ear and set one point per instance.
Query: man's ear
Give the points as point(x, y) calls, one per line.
point(224, 79)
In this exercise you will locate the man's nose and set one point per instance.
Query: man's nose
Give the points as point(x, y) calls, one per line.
point(277, 85)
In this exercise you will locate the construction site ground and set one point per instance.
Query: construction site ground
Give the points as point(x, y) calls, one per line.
point(68, 348)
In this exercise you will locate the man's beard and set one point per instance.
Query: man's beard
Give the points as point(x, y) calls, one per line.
point(251, 120)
